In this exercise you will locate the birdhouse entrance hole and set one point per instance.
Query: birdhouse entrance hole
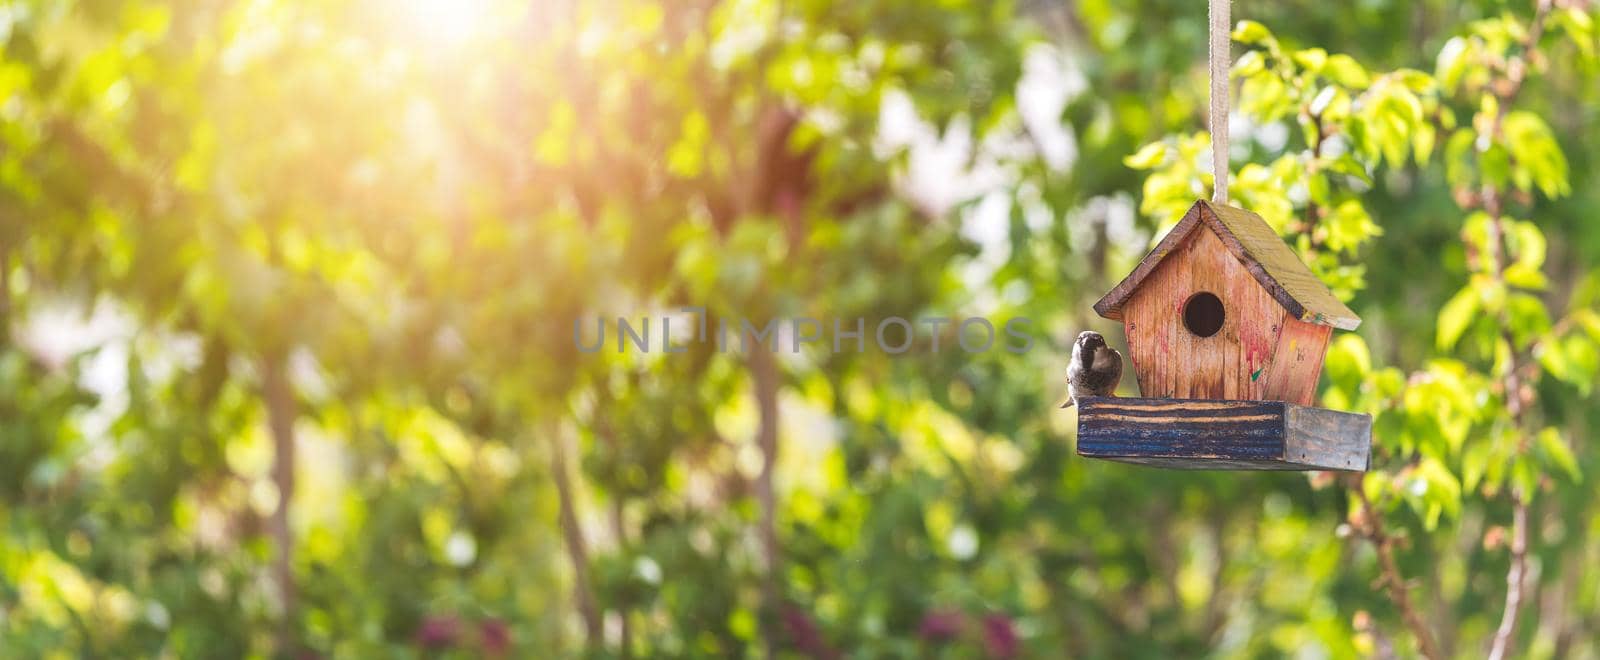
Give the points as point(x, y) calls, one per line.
point(1203, 314)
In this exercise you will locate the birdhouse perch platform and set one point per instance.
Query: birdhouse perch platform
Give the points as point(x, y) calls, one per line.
point(1208, 434)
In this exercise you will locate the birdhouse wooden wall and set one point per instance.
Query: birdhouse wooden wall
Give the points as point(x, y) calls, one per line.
point(1259, 353)
point(1223, 309)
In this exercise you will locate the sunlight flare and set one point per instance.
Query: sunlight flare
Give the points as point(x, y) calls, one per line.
point(449, 21)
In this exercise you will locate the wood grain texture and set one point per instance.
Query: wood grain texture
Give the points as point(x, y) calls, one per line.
point(1297, 362)
point(1263, 254)
point(1170, 361)
point(1222, 435)
point(1208, 273)
point(1111, 305)
point(1328, 437)
point(1278, 269)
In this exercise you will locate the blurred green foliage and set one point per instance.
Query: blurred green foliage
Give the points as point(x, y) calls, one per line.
point(333, 253)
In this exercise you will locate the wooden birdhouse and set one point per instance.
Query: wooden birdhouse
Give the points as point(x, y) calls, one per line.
point(1226, 333)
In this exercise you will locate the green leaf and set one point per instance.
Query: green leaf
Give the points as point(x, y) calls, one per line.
point(1520, 275)
point(1250, 32)
point(1583, 361)
point(1442, 489)
point(1458, 161)
point(1392, 115)
point(1503, 356)
point(1574, 359)
point(1311, 59)
point(1491, 293)
point(1494, 474)
point(1324, 98)
point(1586, 316)
point(1525, 473)
point(1527, 318)
point(1554, 451)
point(1415, 80)
point(1538, 160)
point(1349, 226)
point(1474, 463)
point(1455, 316)
point(1452, 62)
point(1528, 244)
point(1317, 188)
point(685, 157)
point(1348, 360)
point(1475, 232)
point(1422, 142)
point(1249, 64)
point(1495, 165)
point(1344, 70)
point(1580, 26)
point(1373, 485)
point(1266, 97)
point(1147, 157)
point(1348, 165)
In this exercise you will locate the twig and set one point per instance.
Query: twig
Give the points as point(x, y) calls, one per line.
point(1370, 526)
point(5, 298)
point(764, 377)
point(1515, 579)
point(1370, 522)
point(278, 396)
point(1314, 212)
point(1216, 604)
point(572, 534)
point(619, 529)
point(1494, 204)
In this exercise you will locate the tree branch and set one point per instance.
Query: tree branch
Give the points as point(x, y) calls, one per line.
point(1370, 525)
point(619, 529)
point(279, 398)
point(1494, 205)
point(572, 534)
point(764, 374)
point(624, 610)
point(1217, 604)
point(5, 298)
point(1370, 522)
point(1516, 579)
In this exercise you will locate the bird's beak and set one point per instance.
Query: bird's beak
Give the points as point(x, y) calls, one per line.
point(1068, 404)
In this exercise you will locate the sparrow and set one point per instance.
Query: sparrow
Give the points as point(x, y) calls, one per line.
point(1095, 369)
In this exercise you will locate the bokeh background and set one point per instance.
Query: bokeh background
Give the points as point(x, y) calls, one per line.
point(288, 293)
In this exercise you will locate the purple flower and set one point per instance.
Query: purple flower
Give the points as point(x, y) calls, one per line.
point(941, 625)
point(495, 636)
point(1000, 636)
point(805, 634)
point(438, 632)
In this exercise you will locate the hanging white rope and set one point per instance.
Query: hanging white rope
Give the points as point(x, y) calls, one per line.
point(1220, 20)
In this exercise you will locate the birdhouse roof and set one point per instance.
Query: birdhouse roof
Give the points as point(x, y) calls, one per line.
point(1263, 254)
